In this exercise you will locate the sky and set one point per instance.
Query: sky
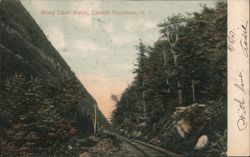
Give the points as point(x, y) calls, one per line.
point(97, 38)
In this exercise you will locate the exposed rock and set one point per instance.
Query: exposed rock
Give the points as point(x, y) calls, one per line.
point(141, 126)
point(155, 141)
point(94, 138)
point(190, 118)
point(70, 147)
point(201, 142)
point(84, 155)
point(30, 65)
point(183, 127)
point(136, 134)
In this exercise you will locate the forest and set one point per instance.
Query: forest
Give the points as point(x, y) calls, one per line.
point(186, 65)
point(179, 91)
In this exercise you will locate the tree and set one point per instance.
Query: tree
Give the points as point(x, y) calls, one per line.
point(187, 65)
point(170, 30)
point(30, 118)
point(140, 74)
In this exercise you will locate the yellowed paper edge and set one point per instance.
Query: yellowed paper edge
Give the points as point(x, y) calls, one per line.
point(238, 78)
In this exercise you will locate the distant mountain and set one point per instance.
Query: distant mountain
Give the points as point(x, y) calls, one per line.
point(28, 59)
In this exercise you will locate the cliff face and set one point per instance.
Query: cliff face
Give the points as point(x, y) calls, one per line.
point(30, 65)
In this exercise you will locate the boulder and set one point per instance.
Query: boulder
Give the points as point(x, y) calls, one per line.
point(190, 118)
point(155, 141)
point(141, 126)
point(84, 155)
point(136, 134)
point(201, 142)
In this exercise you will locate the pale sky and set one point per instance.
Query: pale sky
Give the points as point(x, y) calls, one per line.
point(100, 49)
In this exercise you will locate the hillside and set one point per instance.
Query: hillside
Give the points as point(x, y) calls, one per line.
point(41, 99)
point(178, 97)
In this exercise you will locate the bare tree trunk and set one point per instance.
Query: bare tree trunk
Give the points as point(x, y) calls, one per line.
point(144, 104)
point(165, 62)
point(179, 92)
point(193, 90)
point(136, 104)
point(1, 70)
point(95, 122)
point(178, 82)
point(175, 56)
point(143, 97)
point(168, 90)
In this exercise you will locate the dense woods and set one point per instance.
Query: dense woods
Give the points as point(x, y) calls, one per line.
point(46, 111)
point(186, 65)
point(33, 119)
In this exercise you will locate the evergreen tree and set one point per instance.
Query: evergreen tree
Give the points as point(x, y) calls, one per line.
point(140, 75)
point(187, 64)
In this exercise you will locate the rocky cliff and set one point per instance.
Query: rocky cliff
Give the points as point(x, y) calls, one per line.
point(39, 92)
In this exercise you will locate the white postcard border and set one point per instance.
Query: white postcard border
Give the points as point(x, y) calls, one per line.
point(238, 78)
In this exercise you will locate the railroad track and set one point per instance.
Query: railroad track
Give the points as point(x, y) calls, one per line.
point(148, 150)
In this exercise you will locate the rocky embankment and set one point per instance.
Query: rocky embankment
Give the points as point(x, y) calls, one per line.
point(43, 105)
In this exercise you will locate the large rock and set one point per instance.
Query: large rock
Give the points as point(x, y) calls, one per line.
point(201, 142)
point(190, 118)
point(84, 155)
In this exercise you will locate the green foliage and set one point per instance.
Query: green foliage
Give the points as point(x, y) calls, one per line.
point(32, 119)
point(140, 66)
point(43, 111)
point(218, 147)
point(187, 63)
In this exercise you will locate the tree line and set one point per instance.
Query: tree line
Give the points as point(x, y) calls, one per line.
point(186, 65)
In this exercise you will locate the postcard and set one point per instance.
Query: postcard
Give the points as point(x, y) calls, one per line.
point(124, 78)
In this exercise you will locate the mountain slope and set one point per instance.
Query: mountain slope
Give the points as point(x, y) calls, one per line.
point(31, 69)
